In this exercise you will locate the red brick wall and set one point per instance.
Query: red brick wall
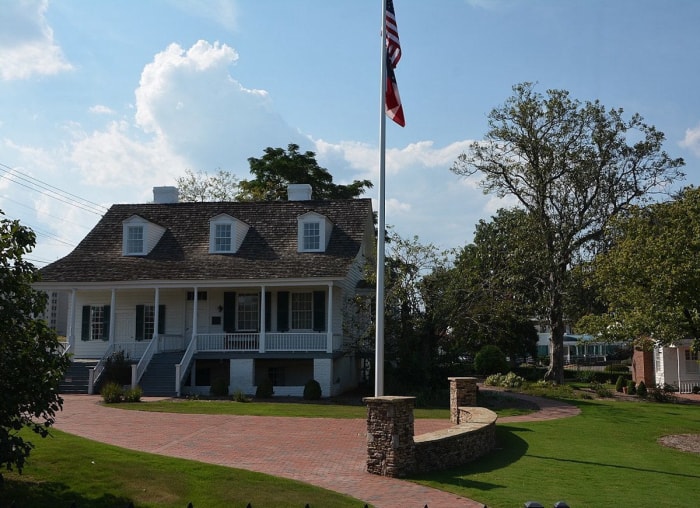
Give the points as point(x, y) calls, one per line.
point(643, 367)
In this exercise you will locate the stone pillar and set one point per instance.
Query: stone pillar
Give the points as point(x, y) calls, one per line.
point(463, 392)
point(390, 447)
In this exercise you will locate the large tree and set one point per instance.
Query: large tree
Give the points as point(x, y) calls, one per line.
point(279, 167)
point(650, 275)
point(495, 288)
point(572, 166)
point(31, 363)
point(201, 186)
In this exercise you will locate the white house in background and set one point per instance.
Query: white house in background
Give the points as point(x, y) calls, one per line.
point(246, 291)
point(677, 366)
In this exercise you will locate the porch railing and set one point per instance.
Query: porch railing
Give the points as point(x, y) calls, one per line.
point(97, 370)
point(228, 342)
point(181, 368)
point(314, 341)
point(146, 357)
point(296, 341)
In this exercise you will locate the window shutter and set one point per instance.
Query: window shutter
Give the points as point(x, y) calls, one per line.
point(85, 329)
point(139, 322)
point(105, 328)
point(268, 311)
point(283, 311)
point(161, 319)
point(319, 311)
point(229, 312)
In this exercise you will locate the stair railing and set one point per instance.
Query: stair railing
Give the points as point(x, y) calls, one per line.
point(97, 370)
point(146, 358)
point(181, 368)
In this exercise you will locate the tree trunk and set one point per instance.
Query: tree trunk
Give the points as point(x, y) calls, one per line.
point(555, 373)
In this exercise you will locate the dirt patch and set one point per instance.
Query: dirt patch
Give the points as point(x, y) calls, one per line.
point(685, 442)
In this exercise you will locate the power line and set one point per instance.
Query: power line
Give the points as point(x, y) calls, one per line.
point(34, 184)
point(62, 219)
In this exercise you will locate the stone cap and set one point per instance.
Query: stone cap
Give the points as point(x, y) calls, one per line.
point(387, 399)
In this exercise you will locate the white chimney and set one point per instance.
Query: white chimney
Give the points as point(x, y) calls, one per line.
point(162, 195)
point(298, 192)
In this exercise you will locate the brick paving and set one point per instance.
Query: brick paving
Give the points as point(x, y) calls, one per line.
point(329, 453)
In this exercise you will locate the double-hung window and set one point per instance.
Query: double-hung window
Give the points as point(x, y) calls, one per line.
point(95, 322)
point(302, 311)
point(312, 235)
point(134, 239)
point(222, 238)
point(247, 312)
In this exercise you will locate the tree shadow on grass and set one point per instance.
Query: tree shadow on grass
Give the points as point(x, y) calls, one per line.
point(33, 494)
point(510, 447)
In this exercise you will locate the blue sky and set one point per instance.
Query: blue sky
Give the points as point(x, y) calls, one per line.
point(107, 99)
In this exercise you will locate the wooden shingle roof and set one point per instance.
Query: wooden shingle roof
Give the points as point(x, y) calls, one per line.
point(268, 251)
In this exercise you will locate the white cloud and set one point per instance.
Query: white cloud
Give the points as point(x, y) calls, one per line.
point(100, 109)
point(691, 141)
point(27, 46)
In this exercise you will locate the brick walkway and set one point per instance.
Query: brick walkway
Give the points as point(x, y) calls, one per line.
point(329, 453)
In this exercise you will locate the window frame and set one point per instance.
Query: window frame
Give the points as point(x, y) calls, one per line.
point(132, 241)
point(247, 304)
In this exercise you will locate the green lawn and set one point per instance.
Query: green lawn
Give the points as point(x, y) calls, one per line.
point(64, 469)
point(607, 456)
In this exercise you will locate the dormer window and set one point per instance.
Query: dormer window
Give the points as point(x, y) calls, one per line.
point(312, 235)
point(226, 234)
point(134, 240)
point(314, 232)
point(139, 236)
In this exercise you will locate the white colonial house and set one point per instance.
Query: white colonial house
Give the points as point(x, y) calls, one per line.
point(677, 365)
point(244, 291)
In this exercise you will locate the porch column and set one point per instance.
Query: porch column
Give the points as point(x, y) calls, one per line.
point(263, 311)
point(71, 321)
point(195, 311)
point(156, 318)
point(329, 318)
point(112, 316)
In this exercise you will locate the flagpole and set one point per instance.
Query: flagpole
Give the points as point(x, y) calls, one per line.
point(379, 320)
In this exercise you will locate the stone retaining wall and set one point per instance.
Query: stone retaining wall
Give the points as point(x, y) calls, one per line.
point(392, 449)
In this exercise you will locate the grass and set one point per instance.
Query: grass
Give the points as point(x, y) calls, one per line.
point(66, 469)
point(607, 456)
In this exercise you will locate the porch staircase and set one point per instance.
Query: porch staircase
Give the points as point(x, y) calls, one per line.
point(76, 378)
point(159, 378)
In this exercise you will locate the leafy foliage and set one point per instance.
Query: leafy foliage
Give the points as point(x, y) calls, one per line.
point(649, 276)
point(279, 167)
point(490, 360)
point(265, 390)
point(200, 186)
point(571, 167)
point(312, 390)
point(31, 363)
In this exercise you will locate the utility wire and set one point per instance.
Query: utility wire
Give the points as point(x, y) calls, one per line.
point(31, 183)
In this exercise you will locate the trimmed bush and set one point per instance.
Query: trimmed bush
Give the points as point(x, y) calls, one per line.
point(312, 390)
point(510, 380)
point(616, 367)
point(621, 383)
point(642, 389)
point(239, 396)
point(133, 394)
point(264, 390)
point(112, 393)
point(490, 360)
point(631, 388)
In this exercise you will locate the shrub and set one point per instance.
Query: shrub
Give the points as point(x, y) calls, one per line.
point(620, 384)
point(112, 393)
point(586, 376)
point(312, 390)
point(133, 394)
point(631, 388)
point(239, 396)
point(219, 387)
point(642, 389)
point(601, 390)
point(696, 389)
point(264, 389)
point(117, 368)
point(616, 367)
point(510, 380)
point(490, 360)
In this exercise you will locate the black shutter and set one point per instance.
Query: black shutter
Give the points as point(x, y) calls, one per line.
point(283, 311)
point(161, 319)
point(139, 322)
point(268, 311)
point(105, 321)
point(319, 311)
point(85, 329)
point(229, 312)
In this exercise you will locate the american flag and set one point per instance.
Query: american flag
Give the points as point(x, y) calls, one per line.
point(392, 35)
point(392, 100)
